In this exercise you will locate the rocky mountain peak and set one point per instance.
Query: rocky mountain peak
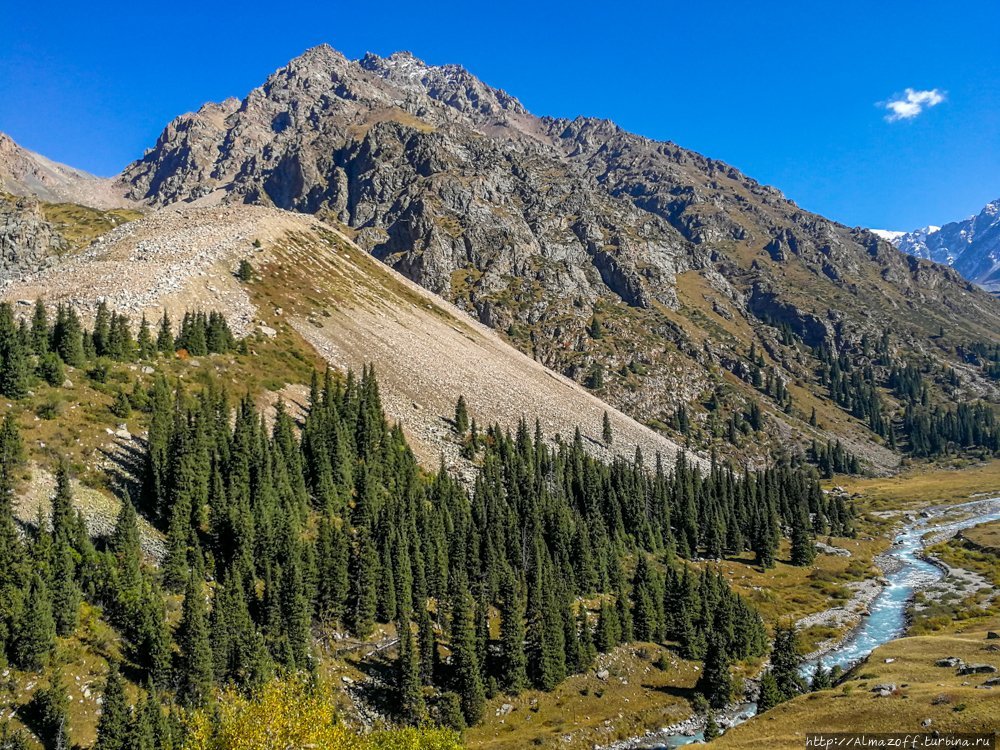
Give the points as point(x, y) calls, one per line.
point(971, 246)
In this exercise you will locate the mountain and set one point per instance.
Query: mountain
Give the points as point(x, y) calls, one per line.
point(659, 277)
point(25, 173)
point(971, 246)
point(424, 350)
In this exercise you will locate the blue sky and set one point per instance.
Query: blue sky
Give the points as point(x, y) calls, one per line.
point(788, 92)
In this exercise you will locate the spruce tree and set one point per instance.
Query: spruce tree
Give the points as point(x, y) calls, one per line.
point(40, 329)
point(716, 682)
point(36, 633)
point(513, 663)
point(14, 364)
point(113, 728)
point(67, 337)
point(461, 417)
point(165, 336)
point(51, 706)
point(364, 577)
point(711, 728)
point(803, 548)
point(66, 595)
point(606, 433)
point(770, 696)
point(195, 650)
point(411, 695)
point(786, 662)
point(468, 678)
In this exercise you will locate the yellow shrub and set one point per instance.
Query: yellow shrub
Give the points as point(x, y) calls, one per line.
point(289, 715)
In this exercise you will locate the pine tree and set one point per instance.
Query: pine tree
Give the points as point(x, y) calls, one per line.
point(711, 728)
point(513, 663)
point(113, 727)
point(165, 336)
point(364, 577)
point(195, 659)
point(40, 329)
point(411, 696)
point(36, 634)
point(66, 595)
point(51, 706)
point(716, 682)
point(786, 662)
point(461, 417)
point(803, 549)
point(606, 433)
point(67, 336)
point(770, 696)
point(145, 342)
point(14, 363)
point(468, 678)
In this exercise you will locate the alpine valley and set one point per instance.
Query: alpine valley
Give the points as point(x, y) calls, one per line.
point(375, 411)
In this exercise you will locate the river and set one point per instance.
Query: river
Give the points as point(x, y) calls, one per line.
point(887, 613)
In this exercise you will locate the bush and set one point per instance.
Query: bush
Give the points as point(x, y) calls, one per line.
point(51, 370)
point(245, 272)
point(122, 407)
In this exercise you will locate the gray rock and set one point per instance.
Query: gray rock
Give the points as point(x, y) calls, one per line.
point(951, 661)
point(884, 690)
point(977, 669)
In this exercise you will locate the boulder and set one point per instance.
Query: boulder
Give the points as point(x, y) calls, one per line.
point(977, 669)
point(951, 661)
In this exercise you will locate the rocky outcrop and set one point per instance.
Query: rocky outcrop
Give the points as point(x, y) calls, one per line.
point(27, 240)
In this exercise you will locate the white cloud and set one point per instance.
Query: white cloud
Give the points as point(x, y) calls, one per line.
point(911, 103)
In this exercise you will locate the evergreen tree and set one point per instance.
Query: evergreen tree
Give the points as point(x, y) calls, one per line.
point(113, 727)
point(803, 548)
point(51, 706)
point(67, 337)
point(770, 695)
point(786, 662)
point(145, 342)
point(195, 651)
point(606, 433)
point(364, 577)
point(40, 329)
point(461, 417)
point(165, 335)
point(716, 682)
point(66, 595)
point(711, 728)
point(821, 679)
point(513, 663)
point(411, 696)
point(468, 677)
point(36, 633)
point(14, 364)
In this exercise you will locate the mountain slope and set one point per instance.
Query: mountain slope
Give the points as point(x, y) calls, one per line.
point(649, 272)
point(971, 246)
point(26, 173)
point(314, 282)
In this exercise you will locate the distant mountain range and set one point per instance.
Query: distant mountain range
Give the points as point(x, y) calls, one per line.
point(970, 246)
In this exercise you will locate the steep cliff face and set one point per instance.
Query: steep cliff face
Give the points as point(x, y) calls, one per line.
point(645, 269)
